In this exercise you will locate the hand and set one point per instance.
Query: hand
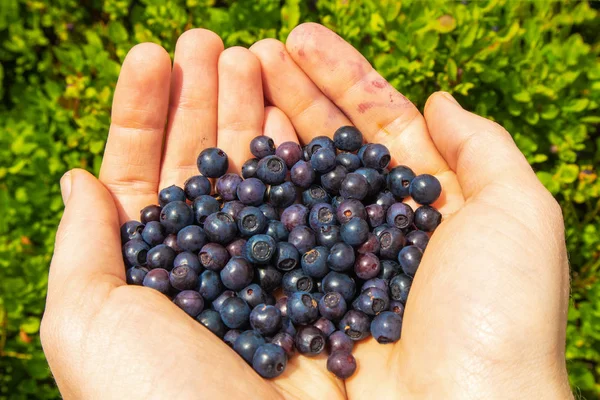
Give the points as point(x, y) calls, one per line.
point(106, 340)
point(486, 315)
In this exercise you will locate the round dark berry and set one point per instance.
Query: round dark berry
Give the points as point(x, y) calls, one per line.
point(409, 259)
point(247, 344)
point(325, 326)
point(150, 213)
point(290, 152)
point(317, 143)
point(253, 294)
point(378, 283)
point(371, 245)
point(354, 186)
point(131, 230)
point(271, 170)
point(349, 161)
point(427, 218)
point(251, 221)
point(341, 283)
point(135, 252)
point(339, 341)
point(154, 233)
point(235, 313)
point(269, 211)
point(349, 209)
point(294, 215)
point(262, 146)
point(302, 174)
point(314, 195)
point(211, 320)
point(212, 162)
point(375, 215)
point(260, 249)
point(355, 324)
point(397, 307)
point(249, 168)
point(417, 238)
point(220, 227)
point(158, 279)
point(287, 257)
point(183, 278)
point(196, 186)
point(400, 287)
point(386, 327)
point(283, 195)
point(265, 319)
point(191, 238)
point(302, 308)
point(136, 275)
point(332, 306)
point(341, 364)
point(171, 241)
point(296, 281)
point(176, 215)
point(213, 256)
point(276, 229)
point(385, 199)
point(286, 342)
point(375, 155)
point(332, 180)
point(321, 214)
point(367, 266)
point(375, 180)
point(237, 274)
point(169, 194)
point(372, 301)
point(269, 361)
point(236, 248)
point(323, 160)
point(190, 301)
point(389, 269)
point(399, 179)
point(233, 208)
point(217, 303)
point(210, 286)
point(226, 186)
point(310, 341)
point(400, 215)
point(251, 191)
point(425, 189)
point(391, 240)
point(314, 262)
point(204, 206)
point(348, 138)
point(161, 256)
point(303, 238)
point(355, 232)
point(341, 257)
point(328, 235)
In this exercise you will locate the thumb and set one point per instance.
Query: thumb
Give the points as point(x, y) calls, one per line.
point(87, 247)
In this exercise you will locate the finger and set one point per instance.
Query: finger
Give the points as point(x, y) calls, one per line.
point(287, 87)
point(131, 163)
point(88, 247)
point(278, 127)
point(478, 150)
point(382, 113)
point(241, 104)
point(193, 105)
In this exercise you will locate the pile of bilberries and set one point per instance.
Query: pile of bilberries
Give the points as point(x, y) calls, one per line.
point(271, 274)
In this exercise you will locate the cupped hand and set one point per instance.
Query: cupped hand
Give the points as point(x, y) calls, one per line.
point(486, 314)
point(106, 340)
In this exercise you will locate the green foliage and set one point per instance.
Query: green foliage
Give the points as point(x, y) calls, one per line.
point(532, 66)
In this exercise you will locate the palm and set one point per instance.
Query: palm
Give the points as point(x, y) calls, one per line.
point(320, 83)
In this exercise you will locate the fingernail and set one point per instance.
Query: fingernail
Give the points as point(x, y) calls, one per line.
point(65, 187)
point(449, 97)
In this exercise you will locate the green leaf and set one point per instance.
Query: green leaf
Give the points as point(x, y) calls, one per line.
point(522, 97)
point(576, 105)
point(548, 180)
point(549, 111)
point(567, 173)
point(30, 325)
point(452, 69)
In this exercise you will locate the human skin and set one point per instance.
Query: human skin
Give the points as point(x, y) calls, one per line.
point(487, 311)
